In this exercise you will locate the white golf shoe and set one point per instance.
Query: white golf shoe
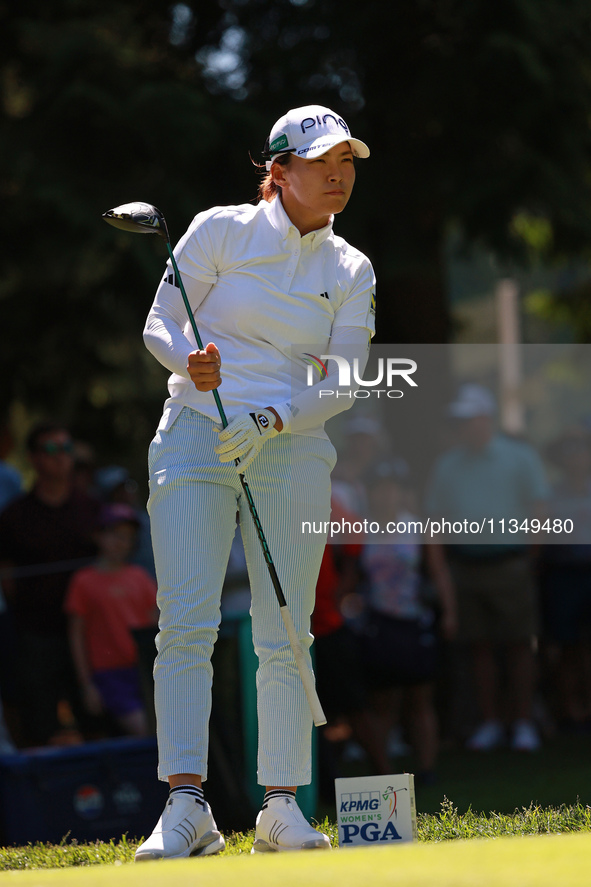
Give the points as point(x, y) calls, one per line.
point(186, 828)
point(281, 825)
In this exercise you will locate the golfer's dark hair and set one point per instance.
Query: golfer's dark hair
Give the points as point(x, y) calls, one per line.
point(40, 430)
point(268, 190)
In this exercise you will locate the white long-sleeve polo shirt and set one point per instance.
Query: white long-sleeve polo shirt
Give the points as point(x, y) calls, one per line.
point(267, 297)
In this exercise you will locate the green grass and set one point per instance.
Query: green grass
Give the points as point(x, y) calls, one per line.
point(493, 796)
point(544, 861)
point(533, 820)
point(447, 825)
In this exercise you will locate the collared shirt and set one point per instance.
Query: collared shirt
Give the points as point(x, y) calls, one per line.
point(257, 289)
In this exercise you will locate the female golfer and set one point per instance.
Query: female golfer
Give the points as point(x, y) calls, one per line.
point(274, 291)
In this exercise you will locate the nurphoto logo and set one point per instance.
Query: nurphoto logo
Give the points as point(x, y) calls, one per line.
point(389, 371)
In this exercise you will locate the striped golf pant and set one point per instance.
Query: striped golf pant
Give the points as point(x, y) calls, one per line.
point(193, 504)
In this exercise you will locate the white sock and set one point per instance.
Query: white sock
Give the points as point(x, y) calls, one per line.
point(278, 793)
point(192, 790)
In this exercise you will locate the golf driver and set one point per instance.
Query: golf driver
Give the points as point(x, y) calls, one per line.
point(143, 218)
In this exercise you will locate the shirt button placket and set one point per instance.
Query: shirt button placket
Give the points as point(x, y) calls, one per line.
point(291, 268)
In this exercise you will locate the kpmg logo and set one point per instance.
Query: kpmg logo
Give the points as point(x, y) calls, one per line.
point(361, 815)
point(376, 810)
point(358, 802)
point(390, 370)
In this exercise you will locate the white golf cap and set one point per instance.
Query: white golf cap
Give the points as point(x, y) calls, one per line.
point(309, 132)
point(471, 401)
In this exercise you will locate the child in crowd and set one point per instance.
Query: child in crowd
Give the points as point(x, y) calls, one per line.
point(104, 603)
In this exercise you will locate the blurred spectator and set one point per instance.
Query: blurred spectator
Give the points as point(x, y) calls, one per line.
point(7, 746)
point(487, 476)
point(84, 467)
point(105, 602)
point(114, 484)
point(10, 488)
point(400, 635)
point(11, 484)
point(565, 577)
point(365, 442)
point(44, 536)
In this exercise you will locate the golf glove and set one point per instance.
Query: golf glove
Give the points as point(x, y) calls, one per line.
point(244, 436)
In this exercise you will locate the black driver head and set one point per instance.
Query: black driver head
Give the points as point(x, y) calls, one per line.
point(142, 218)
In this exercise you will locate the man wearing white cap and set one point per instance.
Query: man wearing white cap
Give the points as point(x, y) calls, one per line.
point(490, 476)
point(270, 286)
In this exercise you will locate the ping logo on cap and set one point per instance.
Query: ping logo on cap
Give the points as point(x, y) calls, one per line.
point(326, 122)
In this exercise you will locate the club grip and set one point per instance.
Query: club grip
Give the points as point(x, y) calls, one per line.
point(304, 669)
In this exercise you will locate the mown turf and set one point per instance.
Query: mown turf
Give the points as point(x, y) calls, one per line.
point(558, 779)
point(543, 861)
point(447, 825)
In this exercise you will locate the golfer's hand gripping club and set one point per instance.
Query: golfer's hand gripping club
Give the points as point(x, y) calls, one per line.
point(242, 439)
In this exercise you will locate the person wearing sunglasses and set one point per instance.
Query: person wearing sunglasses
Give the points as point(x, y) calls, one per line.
point(45, 535)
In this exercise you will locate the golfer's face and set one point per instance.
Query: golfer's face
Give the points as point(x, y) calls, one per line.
point(324, 184)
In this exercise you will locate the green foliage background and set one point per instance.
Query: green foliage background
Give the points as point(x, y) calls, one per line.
point(477, 115)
